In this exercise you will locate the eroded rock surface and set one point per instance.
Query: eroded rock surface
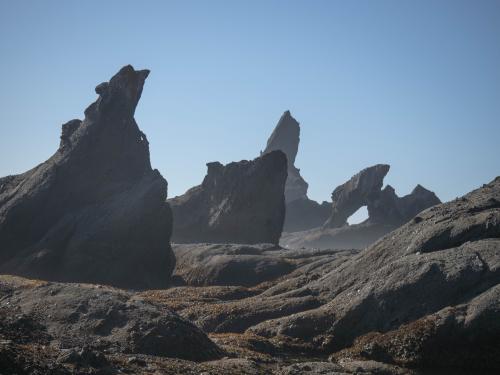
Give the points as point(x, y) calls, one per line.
point(241, 202)
point(95, 211)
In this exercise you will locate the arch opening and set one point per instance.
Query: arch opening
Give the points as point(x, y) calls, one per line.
point(359, 216)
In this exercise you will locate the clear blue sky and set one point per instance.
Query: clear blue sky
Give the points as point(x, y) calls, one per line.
point(415, 84)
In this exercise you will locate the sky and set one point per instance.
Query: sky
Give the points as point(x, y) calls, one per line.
point(415, 84)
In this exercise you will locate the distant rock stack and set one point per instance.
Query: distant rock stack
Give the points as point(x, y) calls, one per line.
point(384, 206)
point(386, 212)
point(95, 211)
point(359, 191)
point(241, 202)
point(286, 137)
point(301, 212)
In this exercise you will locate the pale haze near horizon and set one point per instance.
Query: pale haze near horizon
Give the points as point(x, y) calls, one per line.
point(412, 84)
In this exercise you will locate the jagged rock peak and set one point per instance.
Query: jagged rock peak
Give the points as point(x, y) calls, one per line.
point(95, 211)
point(285, 137)
point(122, 92)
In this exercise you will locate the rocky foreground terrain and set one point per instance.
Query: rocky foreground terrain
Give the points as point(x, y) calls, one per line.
point(424, 298)
point(90, 283)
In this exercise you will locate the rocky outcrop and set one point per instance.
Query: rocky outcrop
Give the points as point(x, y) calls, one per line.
point(241, 202)
point(95, 211)
point(384, 206)
point(359, 191)
point(301, 212)
point(286, 137)
point(386, 212)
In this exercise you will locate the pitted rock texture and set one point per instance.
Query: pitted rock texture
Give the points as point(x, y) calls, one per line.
point(95, 211)
point(241, 202)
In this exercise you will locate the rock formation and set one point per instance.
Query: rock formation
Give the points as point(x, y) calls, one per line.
point(286, 137)
point(241, 202)
point(384, 206)
point(95, 211)
point(301, 212)
point(424, 297)
point(386, 212)
point(359, 191)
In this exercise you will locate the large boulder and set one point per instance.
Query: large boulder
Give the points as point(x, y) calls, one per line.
point(302, 213)
point(241, 202)
point(102, 319)
point(95, 211)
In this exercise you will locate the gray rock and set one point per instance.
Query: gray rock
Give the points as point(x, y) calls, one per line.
point(230, 264)
point(444, 261)
point(95, 211)
point(386, 212)
point(361, 189)
point(91, 319)
point(286, 137)
point(302, 213)
point(241, 202)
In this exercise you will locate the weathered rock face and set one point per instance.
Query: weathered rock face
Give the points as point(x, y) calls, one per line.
point(386, 212)
point(301, 212)
point(95, 211)
point(241, 202)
